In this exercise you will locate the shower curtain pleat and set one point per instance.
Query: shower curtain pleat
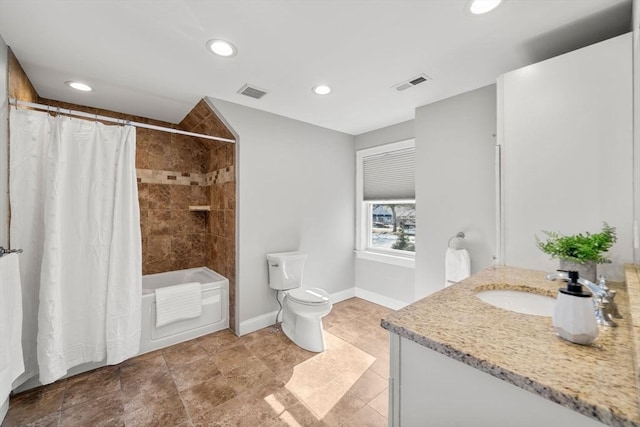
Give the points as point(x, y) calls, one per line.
point(90, 274)
point(30, 136)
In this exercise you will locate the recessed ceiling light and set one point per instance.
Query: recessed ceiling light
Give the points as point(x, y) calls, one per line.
point(222, 47)
point(321, 90)
point(478, 7)
point(79, 86)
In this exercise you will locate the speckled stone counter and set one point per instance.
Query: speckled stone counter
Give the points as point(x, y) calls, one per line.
point(599, 381)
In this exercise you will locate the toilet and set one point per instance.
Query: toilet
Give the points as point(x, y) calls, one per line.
point(302, 308)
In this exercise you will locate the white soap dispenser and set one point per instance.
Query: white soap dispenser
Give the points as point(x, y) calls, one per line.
point(574, 316)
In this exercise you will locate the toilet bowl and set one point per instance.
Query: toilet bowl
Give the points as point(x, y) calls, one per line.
point(302, 308)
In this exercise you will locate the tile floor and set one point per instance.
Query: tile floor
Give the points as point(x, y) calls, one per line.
point(261, 379)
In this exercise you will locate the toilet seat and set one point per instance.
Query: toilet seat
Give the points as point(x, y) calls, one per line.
point(309, 296)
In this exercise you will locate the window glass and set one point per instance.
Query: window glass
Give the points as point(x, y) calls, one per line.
point(393, 226)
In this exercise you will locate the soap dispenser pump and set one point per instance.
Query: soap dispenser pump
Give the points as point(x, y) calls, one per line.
point(574, 317)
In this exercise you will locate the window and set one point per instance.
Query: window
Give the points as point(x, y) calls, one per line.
point(392, 225)
point(386, 210)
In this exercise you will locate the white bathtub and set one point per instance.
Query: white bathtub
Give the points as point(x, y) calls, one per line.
point(215, 308)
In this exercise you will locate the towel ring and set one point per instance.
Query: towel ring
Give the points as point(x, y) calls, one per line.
point(459, 243)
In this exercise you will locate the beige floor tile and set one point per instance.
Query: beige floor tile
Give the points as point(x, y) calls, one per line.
point(234, 412)
point(322, 381)
point(34, 405)
point(91, 385)
point(369, 386)
point(266, 343)
point(252, 374)
point(343, 409)
point(260, 333)
point(381, 366)
point(381, 403)
point(106, 410)
point(52, 420)
point(232, 358)
point(205, 397)
point(218, 341)
point(284, 359)
point(166, 412)
point(187, 376)
point(296, 416)
point(140, 392)
point(147, 365)
point(271, 398)
point(366, 417)
point(184, 353)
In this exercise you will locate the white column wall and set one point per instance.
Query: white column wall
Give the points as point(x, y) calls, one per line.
point(295, 192)
point(455, 182)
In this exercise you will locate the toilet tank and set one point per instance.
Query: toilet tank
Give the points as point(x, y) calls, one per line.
point(285, 269)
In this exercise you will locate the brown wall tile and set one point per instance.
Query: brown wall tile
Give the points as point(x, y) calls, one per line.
point(20, 86)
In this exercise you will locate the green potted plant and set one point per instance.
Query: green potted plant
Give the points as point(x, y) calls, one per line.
point(580, 252)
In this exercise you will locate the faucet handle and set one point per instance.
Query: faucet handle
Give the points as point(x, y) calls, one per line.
point(613, 307)
point(603, 312)
point(602, 282)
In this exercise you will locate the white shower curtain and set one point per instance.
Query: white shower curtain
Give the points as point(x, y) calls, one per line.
point(74, 207)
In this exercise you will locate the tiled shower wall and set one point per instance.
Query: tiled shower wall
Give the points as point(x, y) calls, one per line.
point(173, 238)
point(221, 188)
point(175, 172)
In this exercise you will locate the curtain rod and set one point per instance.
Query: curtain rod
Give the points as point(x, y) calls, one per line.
point(68, 112)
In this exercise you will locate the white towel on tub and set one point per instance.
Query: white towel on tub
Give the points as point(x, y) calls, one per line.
point(457, 265)
point(178, 302)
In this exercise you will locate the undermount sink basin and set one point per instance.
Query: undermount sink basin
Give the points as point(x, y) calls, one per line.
point(519, 301)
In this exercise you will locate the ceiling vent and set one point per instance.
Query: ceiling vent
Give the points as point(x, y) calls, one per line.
point(414, 81)
point(252, 91)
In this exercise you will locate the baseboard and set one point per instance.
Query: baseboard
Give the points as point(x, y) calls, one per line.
point(256, 323)
point(391, 303)
point(342, 295)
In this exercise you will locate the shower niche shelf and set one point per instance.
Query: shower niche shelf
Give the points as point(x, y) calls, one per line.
point(200, 208)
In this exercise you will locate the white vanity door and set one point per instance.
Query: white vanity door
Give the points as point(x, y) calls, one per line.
point(429, 389)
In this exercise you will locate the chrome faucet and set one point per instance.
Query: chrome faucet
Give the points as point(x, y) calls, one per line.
point(603, 298)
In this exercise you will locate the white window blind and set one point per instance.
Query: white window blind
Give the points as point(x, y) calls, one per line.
point(390, 175)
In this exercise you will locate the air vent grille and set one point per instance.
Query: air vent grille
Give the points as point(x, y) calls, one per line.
point(414, 81)
point(252, 91)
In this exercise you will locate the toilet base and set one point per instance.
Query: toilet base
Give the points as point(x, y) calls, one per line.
point(305, 332)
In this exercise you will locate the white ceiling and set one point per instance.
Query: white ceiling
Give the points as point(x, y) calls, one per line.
point(148, 57)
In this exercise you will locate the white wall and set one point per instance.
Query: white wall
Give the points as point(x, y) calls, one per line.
point(567, 136)
point(295, 192)
point(383, 283)
point(394, 133)
point(455, 185)
point(4, 145)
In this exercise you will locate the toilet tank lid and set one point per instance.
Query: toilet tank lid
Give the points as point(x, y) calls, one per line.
point(284, 256)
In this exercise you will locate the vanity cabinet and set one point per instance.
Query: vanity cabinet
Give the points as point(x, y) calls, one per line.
point(429, 389)
point(565, 134)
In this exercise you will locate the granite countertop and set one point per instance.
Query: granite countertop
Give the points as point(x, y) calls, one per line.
point(599, 380)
